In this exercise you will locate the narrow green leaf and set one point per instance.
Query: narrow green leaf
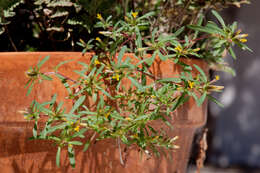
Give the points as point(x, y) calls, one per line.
point(213, 26)
point(201, 29)
point(92, 72)
point(175, 80)
point(204, 77)
point(40, 63)
point(142, 117)
point(45, 110)
point(75, 143)
point(30, 88)
point(143, 78)
point(77, 104)
point(121, 55)
point(150, 61)
point(146, 60)
point(152, 129)
point(100, 69)
point(71, 116)
point(221, 21)
point(62, 63)
point(27, 83)
point(116, 116)
point(45, 77)
point(201, 17)
point(234, 26)
point(104, 92)
point(201, 99)
point(195, 97)
point(52, 137)
point(86, 146)
point(79, 134)
point(139, 38)
point(146, 16)
point(83, 64)
point(162, 57)
point(179, 31)
point(94, 97)
point(180, 100)
point(232, 53)
point(124, 139)
point(88, 113)
point(135, 83)
point(71, 154)
point(57, 127)
point(245, 47)
point(215, 101)
point(207, 29)
point(60, 106)
point(53, 99)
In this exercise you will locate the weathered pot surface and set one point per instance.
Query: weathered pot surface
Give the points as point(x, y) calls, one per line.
point(18, 154)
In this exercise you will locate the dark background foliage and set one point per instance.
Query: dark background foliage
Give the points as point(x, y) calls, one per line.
point(50, 25)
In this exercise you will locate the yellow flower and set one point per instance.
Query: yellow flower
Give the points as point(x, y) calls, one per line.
point(97, 62)
point(191, 84)
point(30, 73)
point(98, 39)
point(178, 48)
point(27, 117)
point(116, 77)
point(215, 88)
point(107, 114)
point(217, 77)
point(135, 135)
point(243, 40)
point(134, 14)
point(86, 82)
point(77, 128)
point(156, 137)
point(243, 35)
point(99, 16)
point(128, 119)
point(238, 31)
point(153, 96)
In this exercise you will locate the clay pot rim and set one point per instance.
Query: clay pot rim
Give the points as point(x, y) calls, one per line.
point(46, 53)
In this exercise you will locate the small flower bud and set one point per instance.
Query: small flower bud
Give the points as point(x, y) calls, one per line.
point(134, 14)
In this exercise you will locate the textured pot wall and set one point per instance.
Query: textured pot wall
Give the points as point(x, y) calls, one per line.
point(18, 154)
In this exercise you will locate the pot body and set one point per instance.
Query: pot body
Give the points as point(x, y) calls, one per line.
point(18, 154)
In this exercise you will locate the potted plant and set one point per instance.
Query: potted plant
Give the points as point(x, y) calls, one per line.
point(141, 92)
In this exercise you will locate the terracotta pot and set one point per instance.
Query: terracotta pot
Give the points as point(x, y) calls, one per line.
point(18, 154)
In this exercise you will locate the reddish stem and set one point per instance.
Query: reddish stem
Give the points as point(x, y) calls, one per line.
point(65, 77)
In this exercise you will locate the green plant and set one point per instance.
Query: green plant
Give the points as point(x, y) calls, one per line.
point(126, 113)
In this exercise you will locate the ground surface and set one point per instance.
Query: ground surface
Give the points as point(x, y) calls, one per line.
point(209, 169)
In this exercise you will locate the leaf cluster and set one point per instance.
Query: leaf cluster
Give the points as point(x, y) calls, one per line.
point(126, 96)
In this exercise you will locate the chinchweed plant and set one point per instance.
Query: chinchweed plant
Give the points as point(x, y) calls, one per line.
point(126, 112)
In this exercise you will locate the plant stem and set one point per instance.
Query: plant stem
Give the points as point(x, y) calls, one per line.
point(10, 39)
point(120, 152)
point(57, 73)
